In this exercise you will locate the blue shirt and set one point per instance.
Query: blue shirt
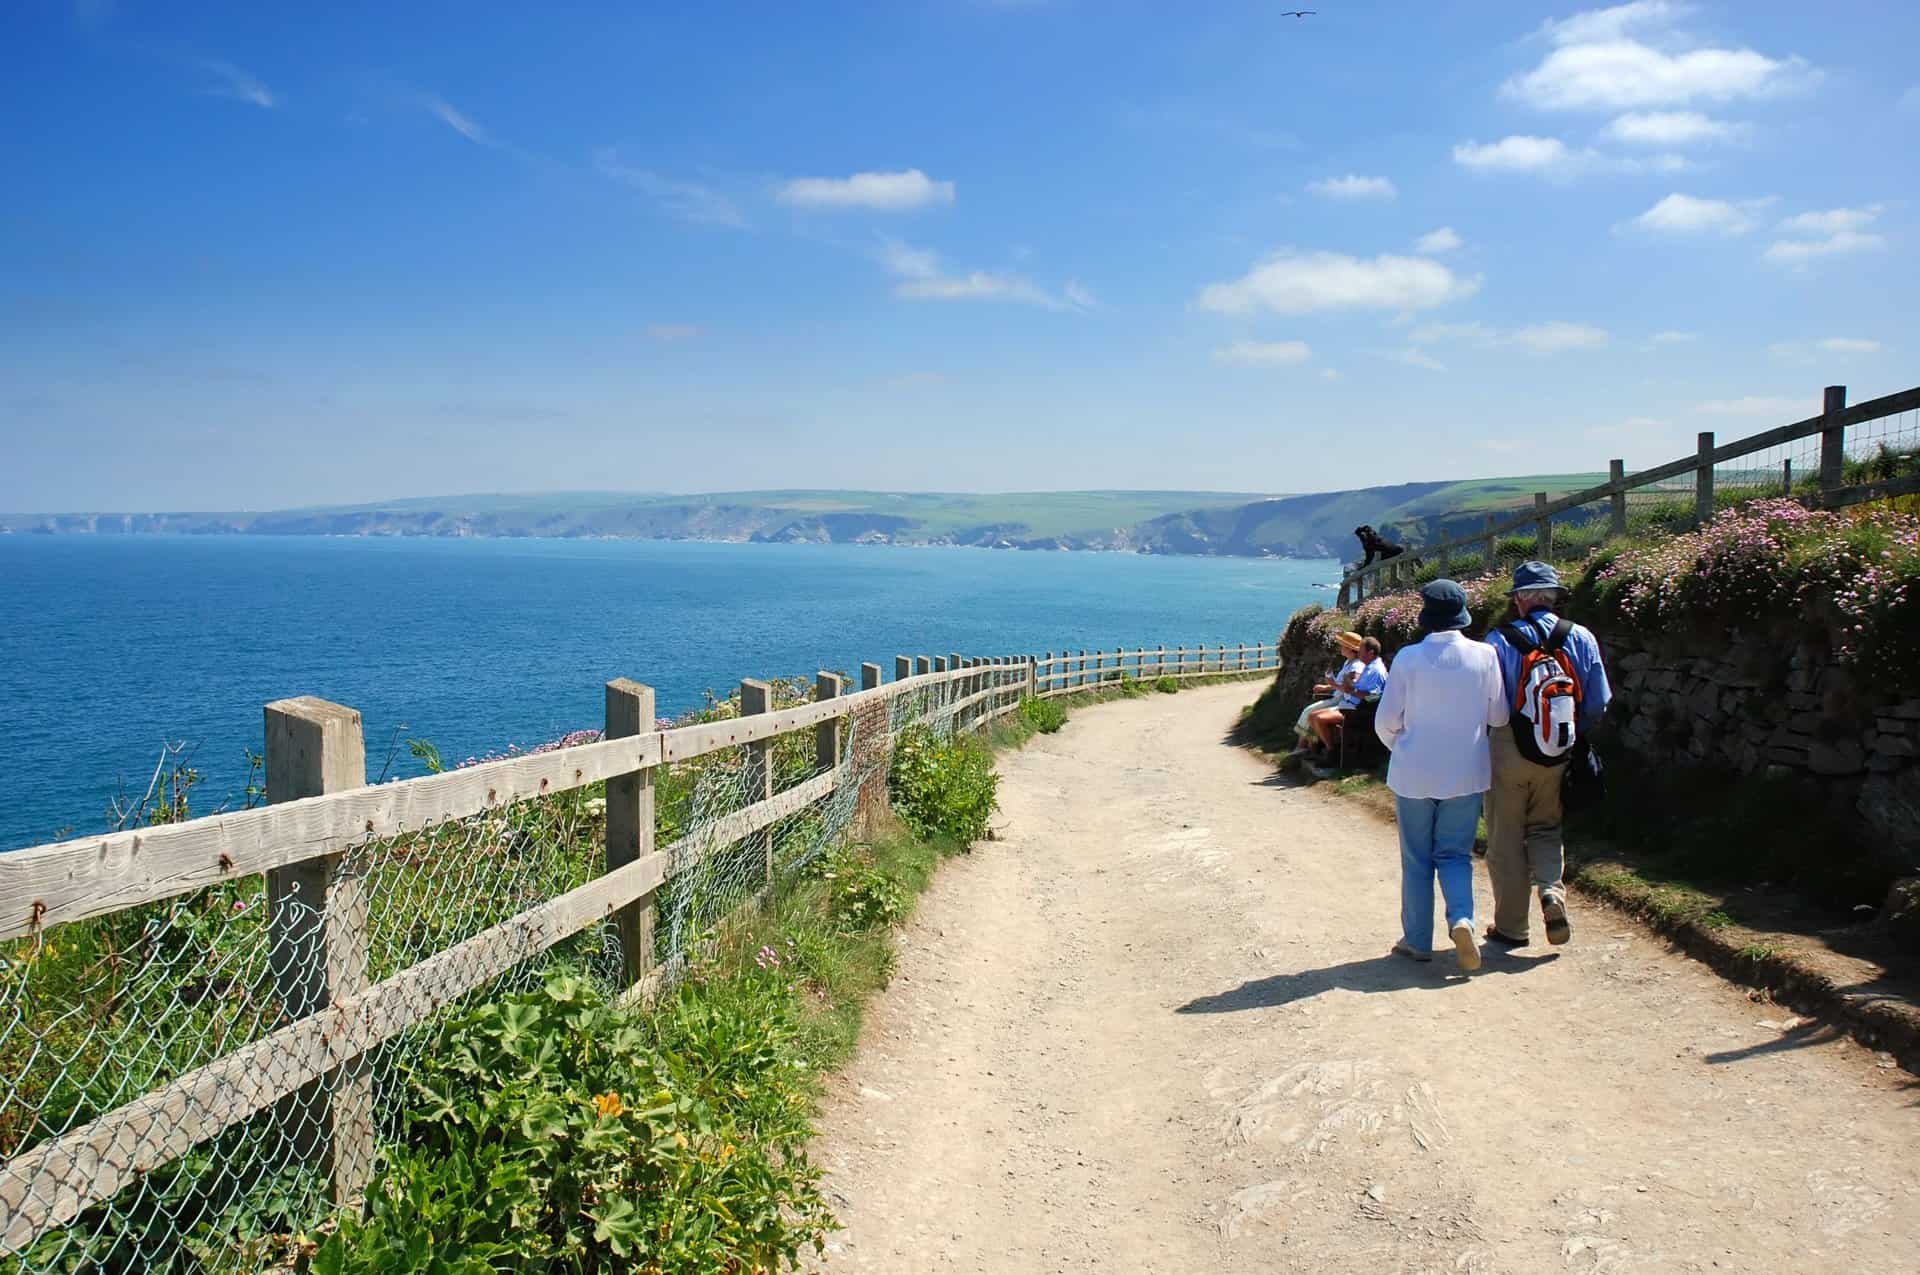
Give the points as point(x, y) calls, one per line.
point(1582, 647)
point(1372, 680)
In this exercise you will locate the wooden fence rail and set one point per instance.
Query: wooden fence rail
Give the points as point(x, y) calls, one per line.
point(1831, 426)
point(321, 809)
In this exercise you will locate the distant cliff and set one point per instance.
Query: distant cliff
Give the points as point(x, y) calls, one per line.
point(1230, 524)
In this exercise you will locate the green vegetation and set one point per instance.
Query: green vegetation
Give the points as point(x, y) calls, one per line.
point(1043, 716)
point(942, 787)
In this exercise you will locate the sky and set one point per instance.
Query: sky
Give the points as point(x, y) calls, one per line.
point(261, 256)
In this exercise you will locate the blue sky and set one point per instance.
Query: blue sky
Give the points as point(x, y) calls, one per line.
point(254, 257)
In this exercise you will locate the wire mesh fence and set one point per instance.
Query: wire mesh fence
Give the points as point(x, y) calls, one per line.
point(166, 1101)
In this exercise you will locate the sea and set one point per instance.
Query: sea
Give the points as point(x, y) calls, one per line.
point(113, 648)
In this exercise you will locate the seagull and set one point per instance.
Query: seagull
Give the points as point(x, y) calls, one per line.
point(1298, 13)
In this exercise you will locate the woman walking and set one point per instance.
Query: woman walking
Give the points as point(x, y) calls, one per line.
point(1444, 695)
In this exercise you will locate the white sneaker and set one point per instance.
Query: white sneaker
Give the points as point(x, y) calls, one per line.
point(1467, 944)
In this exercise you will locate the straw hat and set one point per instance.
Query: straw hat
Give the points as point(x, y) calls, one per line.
point(1349, 641)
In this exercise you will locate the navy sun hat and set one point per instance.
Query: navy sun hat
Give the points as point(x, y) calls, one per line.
point(1535, 575)
point(1443, 606)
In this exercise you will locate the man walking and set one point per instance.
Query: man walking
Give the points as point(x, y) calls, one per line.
point(1435, 715)
point(1556, 689)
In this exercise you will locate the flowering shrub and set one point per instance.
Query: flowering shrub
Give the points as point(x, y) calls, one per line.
point(1856, 574)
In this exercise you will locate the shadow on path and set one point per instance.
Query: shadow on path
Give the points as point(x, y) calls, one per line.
point(1375, 974)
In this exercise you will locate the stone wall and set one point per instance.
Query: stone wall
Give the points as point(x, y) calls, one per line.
point(1760, 704)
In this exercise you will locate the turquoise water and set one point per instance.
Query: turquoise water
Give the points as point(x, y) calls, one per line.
point(112, 646)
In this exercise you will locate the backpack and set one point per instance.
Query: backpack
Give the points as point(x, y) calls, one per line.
point(1546, 696)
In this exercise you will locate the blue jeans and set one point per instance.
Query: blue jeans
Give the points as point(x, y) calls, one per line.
point(1436, 837)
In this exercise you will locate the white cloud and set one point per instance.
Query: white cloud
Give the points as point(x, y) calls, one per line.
point(688, 200)
point(1831, 222)
point(1672, 128)
point(1077, 295)
point(1614, 23)
point(1688, 214)
point(1328, 374)
point(1290, 283)
point(921, 278)
point(1622, 74)
point(1849, 345)
point(1553, 337)
point(1264, 353)
point(673, 331)
point(1671, 337)
point(1438, 241)
point(1758, 405)
point(1516, 154)
point(1551, 157)
point(1831, 233)
point(1421, 359)
point(882, 192)
point(1353, 186)
point(443, 110)
point(237, 84)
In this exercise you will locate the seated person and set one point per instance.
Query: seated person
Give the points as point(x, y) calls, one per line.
point(1327, 693)
point(1367, 686)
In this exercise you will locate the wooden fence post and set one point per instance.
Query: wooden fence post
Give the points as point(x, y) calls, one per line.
point(757, 779)
point(1446, 556)
point(869, 677)
point(1493, 546)
point(902, 667)
point(939, 663)
point(922, 665)
point(1786, 477)
point(1345, 597)
point(317, 936)
point(1703, 479)
point(1542, 528)
point(630, 827)
point(1616, 475)
point(1241, 665)
point(1833, 441)
point(826, 736)
point(1033, 678)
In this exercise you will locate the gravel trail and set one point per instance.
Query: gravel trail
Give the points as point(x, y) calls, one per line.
point(1154, 1027)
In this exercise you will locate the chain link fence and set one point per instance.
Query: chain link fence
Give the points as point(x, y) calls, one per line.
point(135, 1046)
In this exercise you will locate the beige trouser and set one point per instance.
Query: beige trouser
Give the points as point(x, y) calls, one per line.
point(1523, 834)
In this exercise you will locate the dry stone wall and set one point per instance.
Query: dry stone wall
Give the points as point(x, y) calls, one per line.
point(1792, 713)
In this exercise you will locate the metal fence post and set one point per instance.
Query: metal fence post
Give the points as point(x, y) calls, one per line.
point(757, 779)
point(1542, 528)
point(1833, 442)
point(317, 936)
point(1616, 475)
point(1703, 480)
point(630, 827)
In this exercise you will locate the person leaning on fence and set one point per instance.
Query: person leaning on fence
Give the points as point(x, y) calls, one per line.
point(1327, 693)
point(1368, 684)
point(1442, 700)
point(1555, 686)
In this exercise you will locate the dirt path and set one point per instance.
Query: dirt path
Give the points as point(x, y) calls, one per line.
point(1154, 1027)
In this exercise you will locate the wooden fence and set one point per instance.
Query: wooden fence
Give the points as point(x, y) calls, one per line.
point(1830, 426)
point(320, 808)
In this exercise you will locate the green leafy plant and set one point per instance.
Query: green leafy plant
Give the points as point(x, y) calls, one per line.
point(557, 1131)
point(1166, 685)
point(941, 787)
point(1043, 716)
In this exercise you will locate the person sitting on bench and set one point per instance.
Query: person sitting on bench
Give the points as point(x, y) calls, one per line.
point(1327, 693)
point(1372, 680)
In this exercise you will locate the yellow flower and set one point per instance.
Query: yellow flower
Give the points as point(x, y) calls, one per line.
point(608, 1105)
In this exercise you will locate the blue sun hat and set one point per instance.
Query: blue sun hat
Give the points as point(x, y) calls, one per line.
point(1535, 575)
point(1443, 606)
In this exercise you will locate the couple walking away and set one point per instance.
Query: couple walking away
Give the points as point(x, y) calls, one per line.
point(1497, 719)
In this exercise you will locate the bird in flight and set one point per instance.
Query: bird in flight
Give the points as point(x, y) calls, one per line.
point(1298, 13)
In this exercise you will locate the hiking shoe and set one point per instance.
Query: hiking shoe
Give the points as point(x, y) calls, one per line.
point(1401, 949)
point(1503, 939)
point(1466, 945)
point(1554, 909)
